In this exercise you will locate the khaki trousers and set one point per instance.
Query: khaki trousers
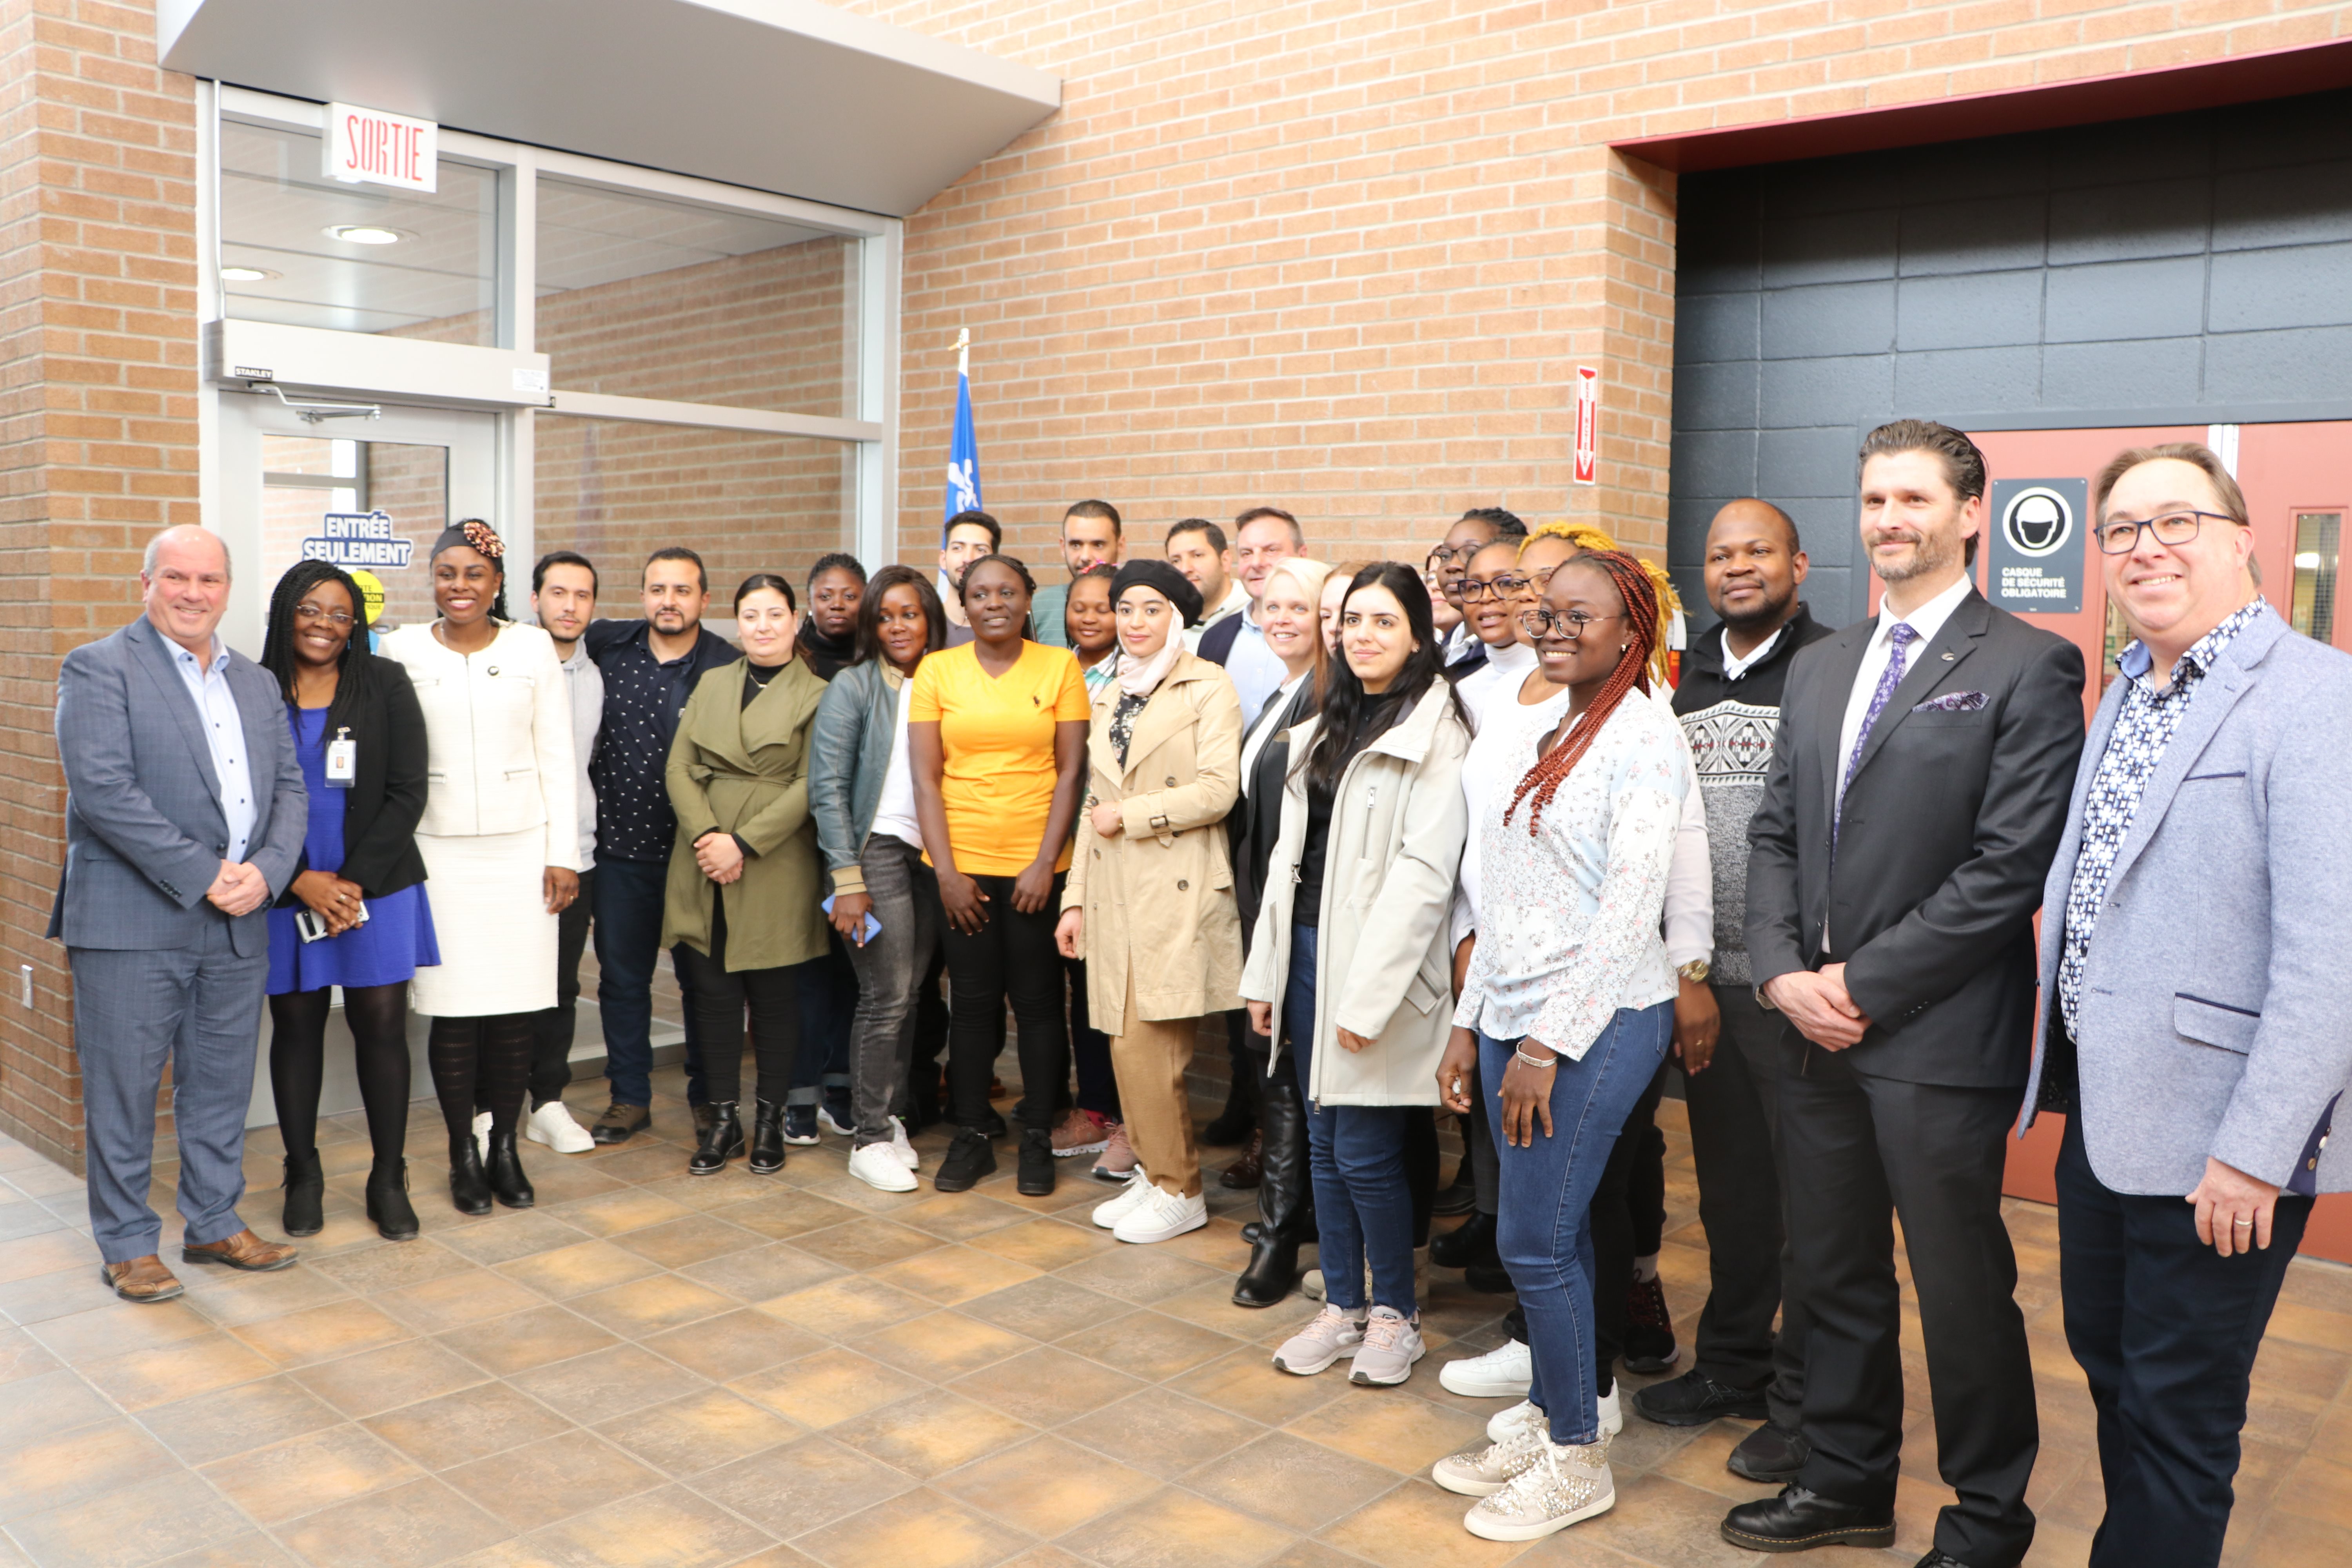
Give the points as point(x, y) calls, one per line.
point(1150, 1060)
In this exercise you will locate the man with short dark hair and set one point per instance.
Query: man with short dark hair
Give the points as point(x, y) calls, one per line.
point(650, 668)
point(1729, 704)
point(1472, 531)
point(563, 598)
point(1916, 795)
point(1090, 537)
point(1263, 536)
point(967, 537)
point(1196, 547)
point(2193, 932)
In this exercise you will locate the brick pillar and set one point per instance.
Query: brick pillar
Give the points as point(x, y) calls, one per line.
point(98, 441)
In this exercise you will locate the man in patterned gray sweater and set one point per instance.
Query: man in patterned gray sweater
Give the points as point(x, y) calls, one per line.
point(1730, 702)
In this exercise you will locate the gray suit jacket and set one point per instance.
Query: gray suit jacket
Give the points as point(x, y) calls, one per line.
point(146, 834)
point(2212, 1020)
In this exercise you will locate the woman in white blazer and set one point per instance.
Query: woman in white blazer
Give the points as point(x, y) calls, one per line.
point(500, 836)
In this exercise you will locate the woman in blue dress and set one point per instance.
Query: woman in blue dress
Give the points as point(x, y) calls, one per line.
point(359, 889)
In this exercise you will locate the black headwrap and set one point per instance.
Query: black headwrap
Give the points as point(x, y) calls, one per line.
point(1162, 579)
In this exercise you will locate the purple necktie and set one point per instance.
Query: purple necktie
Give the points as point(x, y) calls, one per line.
point(1901, 636)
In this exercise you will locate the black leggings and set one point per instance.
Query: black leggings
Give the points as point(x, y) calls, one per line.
point(482, 1062)
point(719, 998)
point(378, 1016)
point(1013, 956)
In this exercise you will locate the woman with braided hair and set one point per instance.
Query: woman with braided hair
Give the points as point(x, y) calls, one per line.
point(1566, 1008)
point(501, 840)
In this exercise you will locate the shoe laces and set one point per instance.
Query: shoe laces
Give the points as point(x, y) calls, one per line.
point(1331, 1324)
point(1384, 1330)
point(1560, 1478)
point(1646, 1305)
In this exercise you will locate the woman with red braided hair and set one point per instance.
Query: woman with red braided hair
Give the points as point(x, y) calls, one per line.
point(1566, 1009)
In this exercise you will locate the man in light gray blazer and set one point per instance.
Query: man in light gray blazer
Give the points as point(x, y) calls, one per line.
point(184, 819)
point(2193, 932)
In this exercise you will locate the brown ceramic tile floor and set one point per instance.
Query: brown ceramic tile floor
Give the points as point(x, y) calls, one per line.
point(653, 1369)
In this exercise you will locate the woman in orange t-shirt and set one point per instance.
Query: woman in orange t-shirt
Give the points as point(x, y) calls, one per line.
point(996, 735)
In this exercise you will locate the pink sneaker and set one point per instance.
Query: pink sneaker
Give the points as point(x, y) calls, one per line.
point(1080, 1133)
point(1118, 1162)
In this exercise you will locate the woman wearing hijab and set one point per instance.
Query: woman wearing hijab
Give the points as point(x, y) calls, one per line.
point(501, 836)
point(1149, 904)
point(360, 740)
point(741, 915)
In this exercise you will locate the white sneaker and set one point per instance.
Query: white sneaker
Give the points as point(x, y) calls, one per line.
point(1310, 1284)
point(1561, 1484)
point(1161, 1215)
point(551, 1124)
point(1330, 1334)
point(903, 1146)
point(1131, 1198)
point(1525, 1413)
point(878, 1165)
point(482, 1135)
point(1391, 1344)
point(1505, 1373)
point(1482, 1472)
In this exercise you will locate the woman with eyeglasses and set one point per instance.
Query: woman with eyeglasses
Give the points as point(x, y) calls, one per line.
point(1567, 1007)
point(740, 914)
point(360, 740)
point(500, 835)
point(1351, 945)
point(1149, 904)
point(862, 792)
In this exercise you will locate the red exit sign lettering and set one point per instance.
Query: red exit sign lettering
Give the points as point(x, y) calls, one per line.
point(367, 146)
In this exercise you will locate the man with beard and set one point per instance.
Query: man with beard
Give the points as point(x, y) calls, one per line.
point(1090, 536)
point(1729, 703)
point(1918, 793)
point(649, 669)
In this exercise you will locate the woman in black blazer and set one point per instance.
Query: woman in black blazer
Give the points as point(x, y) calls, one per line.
point(355, 915)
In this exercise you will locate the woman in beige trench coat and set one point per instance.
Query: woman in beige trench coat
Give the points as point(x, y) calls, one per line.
point(1149, 902)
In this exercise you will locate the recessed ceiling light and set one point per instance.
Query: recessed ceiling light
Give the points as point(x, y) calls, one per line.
point(247, 274)
point(365, 234)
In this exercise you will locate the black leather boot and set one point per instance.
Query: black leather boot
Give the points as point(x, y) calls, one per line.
point(1469, 1245)
point(507, 1184)
point(470, 1187)
point(721, 1141)
point(306, 1194)
point(1286, 1197)
point(767, 1138)
point(387, 1201)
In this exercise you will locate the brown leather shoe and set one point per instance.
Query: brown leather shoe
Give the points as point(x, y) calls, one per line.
point(619, 1122)
point(1250, 1169)
point(244, 1250)
point(141, 1279)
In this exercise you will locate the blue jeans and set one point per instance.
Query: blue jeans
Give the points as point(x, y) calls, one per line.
point(1355, 1159)
point(630, 896)
point(828, 1007)
point(1545, 1230)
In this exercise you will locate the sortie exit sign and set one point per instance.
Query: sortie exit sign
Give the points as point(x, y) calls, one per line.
point(368, 146)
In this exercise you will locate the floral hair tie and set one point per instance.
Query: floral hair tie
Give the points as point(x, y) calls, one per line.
point(482, 538)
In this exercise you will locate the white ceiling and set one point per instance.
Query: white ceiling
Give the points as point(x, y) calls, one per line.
point(787, 96)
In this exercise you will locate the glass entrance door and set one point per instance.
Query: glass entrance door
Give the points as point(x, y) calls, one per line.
point(370, 494)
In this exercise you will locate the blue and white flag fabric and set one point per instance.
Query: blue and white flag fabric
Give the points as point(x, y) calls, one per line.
point(963, 451)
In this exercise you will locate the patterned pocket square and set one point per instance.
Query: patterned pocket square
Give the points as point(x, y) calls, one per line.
point(1952, 702)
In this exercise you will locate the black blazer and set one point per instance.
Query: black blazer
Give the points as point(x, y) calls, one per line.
point(386, 800)
point(1951, 823)
point(1255, 820)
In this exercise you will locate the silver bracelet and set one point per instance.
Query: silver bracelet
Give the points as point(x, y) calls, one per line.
point(1547, 1062)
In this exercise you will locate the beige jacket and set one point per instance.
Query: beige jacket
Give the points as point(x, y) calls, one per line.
point(1385, 962)
point(498, 725)
point(1158, 898)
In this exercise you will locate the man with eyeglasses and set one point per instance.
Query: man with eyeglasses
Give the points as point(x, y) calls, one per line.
point(1916, 795)
point(2193, 929)
point(1450, 561)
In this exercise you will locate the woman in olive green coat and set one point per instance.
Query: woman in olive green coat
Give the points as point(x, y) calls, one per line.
point(741, 912)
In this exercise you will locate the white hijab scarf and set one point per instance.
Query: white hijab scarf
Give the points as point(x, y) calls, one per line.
point(1140, 677)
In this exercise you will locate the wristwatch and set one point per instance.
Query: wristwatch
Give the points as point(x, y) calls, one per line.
point(1695, 971)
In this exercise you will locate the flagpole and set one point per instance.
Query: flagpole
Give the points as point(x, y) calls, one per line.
point(963, 350)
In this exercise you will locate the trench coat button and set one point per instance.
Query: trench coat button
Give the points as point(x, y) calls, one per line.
point(1182, 886)
point(1098, 854)
point(1171, 780)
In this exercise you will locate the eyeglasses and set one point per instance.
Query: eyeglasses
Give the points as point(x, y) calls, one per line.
point(1509, 586)
point(313, 613)
point(1443, 555)
point(2119, 536)
point(1544, 623)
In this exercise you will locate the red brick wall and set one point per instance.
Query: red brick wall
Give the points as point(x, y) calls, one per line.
point(98, 438)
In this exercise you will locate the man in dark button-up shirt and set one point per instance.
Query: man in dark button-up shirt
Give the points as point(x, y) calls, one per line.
point(650, 667)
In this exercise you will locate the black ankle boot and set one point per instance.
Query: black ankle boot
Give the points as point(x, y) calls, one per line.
point(507, 1184)
point(470, 1187)
point(387, 1201)
point(1470, 1244)
point(722, 1140)
point(306, 1194)
point(1272, 1271)
point(767, 1138)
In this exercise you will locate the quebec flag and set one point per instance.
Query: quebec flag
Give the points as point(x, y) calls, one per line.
point(963, 453)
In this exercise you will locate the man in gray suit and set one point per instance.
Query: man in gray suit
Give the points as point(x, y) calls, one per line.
point(2193, 933)
point(184, 818)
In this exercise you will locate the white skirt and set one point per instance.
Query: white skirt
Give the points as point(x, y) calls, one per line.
point(490, 915)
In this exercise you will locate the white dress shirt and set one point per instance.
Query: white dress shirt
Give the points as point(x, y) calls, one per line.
point(1734, 666)
point(207, 684)
point(1926, 620)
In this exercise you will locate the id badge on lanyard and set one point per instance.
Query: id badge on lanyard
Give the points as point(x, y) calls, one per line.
point(342, 760)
